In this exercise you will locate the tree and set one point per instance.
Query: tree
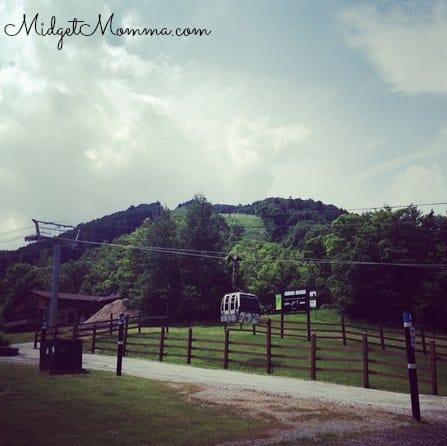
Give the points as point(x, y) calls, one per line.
point(205, 278)
point(268, 268)
point(158, 285)
point(19, 279)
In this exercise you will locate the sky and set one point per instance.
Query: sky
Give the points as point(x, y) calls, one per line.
point(339, 101)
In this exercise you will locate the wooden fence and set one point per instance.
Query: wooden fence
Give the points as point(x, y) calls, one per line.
point(269, 353)
point(345, 333)
point(97, 335)
point(275, 345)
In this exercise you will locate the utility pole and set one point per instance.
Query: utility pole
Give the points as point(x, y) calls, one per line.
point(234, 260)
point(51, 231)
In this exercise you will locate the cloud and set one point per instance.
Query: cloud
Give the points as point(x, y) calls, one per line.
point(406, 44)
point(99, 126)
point(417, 184)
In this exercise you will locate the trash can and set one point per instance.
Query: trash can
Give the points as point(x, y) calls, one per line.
point(61, 356)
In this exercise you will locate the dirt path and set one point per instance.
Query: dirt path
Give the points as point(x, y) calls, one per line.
point(295, 410)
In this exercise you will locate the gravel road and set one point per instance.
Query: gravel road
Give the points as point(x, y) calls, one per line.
point(349, 410)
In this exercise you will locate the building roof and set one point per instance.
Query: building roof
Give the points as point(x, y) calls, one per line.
point(77, 297)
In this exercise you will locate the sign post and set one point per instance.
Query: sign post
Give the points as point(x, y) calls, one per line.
point(410, 341)
point(297, 301)
point(120, 349)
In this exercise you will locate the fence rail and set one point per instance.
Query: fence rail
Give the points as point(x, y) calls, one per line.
point(272, 347)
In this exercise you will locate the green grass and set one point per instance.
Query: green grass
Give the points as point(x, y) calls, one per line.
point(348, 360)
point(253, 225)
point(99, 408)
point(349, 357)
point(17, 338)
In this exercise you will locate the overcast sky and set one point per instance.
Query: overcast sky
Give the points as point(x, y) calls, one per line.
point(339, 101)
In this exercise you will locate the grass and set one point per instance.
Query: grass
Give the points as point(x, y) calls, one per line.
point(17, 338)
point(208, 352)
point(253, 225)
point(347, 361)
point(99, 408)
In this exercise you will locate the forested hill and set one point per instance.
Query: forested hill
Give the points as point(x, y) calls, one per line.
point(104, 229)
point(109, 227)
point(285, 219)
point(373, 265)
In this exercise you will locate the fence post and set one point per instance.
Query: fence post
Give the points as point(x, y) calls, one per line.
point(189, 349)
point(313, 357)
point(382, 335)
point(162, 344)
point(308, 316)
point(365, 361)
point(254, 329)
point(343, 330)
point(424, 344)
point(268, 346)
point(93, 348)
point(55, 333)
point(43, 339)
point(410, 342)
point(282, 324)
point(226, 348)
point(36, 330)
point(139, 323)
point(75, 331)
point(434, 372)
point(119, 352)
point(126, 328)
point(36, 337)
point(111, 323)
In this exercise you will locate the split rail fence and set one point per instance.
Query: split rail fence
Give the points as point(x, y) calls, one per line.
point(365, 353)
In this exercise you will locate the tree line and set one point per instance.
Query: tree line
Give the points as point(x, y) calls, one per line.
point(371, 266)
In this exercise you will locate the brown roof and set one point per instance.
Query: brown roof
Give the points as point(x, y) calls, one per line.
point(78, 297)
point(114, 308)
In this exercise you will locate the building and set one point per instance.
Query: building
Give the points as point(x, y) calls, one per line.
point(71, 308)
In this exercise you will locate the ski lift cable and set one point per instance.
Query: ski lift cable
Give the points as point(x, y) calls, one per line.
point(223, 256)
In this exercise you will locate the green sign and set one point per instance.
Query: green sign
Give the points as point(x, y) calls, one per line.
point(278, 302)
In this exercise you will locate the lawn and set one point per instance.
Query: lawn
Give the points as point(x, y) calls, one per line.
point(335, 362)
point(98, 408)
point(253, 225)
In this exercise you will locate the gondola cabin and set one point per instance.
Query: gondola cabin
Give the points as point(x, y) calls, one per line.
point(240, 307)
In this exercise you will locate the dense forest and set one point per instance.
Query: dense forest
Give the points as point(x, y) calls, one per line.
point(371, 266)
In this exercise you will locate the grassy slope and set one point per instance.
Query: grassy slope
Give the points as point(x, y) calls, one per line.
point(253, 225)
point(99, 408)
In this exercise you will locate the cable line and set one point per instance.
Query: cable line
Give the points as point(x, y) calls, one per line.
point(399, 206)
point(223, 255)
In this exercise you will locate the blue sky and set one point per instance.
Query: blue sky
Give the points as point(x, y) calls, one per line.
point(339, 101)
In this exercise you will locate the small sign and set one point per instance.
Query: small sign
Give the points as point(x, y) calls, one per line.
point(313, 303)
point(278, 302)
point(295, 293)
point(407, 319)
point(294, 301)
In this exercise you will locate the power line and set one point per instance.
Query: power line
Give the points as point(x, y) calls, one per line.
point(11, 239)
point(355, 262)
point(178, 251)
point(220, 255)
point(398, 206)
point(15, 230)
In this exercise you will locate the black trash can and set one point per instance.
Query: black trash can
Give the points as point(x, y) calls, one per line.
point(61, 356)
